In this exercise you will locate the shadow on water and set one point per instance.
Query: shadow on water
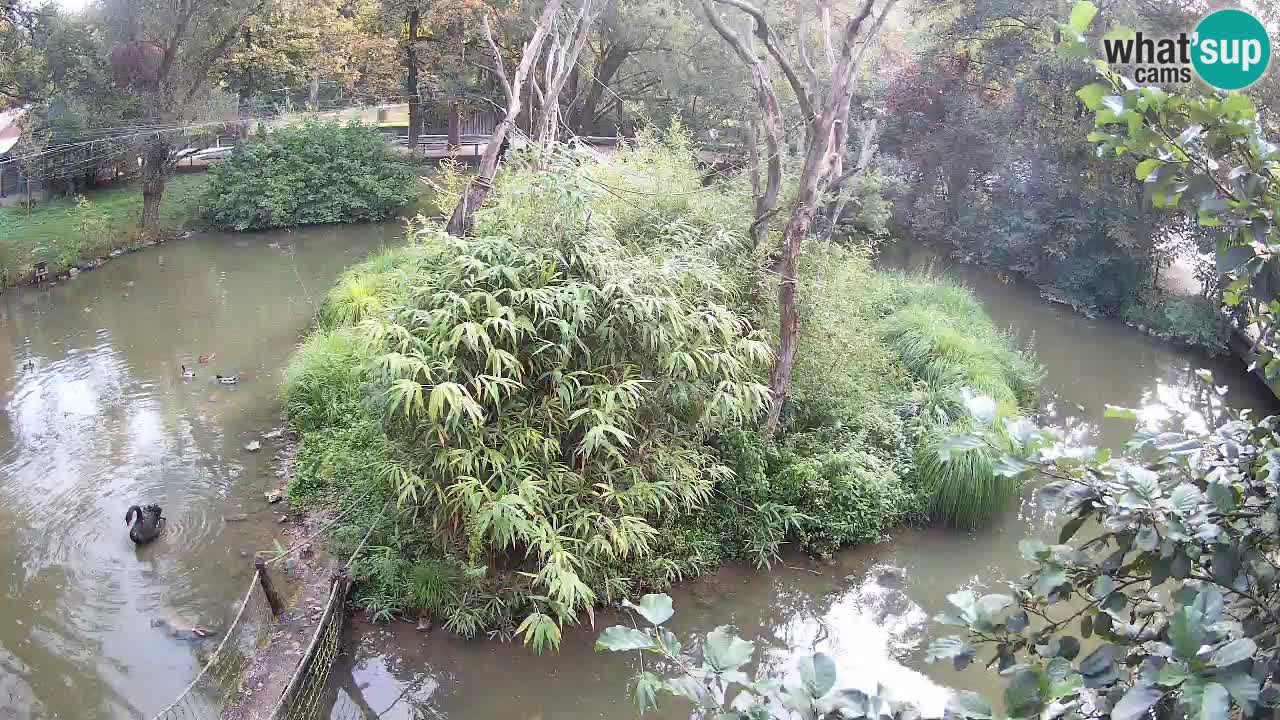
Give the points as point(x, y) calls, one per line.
point(96, 417)
point(870, 608)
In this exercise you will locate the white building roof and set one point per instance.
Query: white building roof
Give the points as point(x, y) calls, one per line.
point(10, 132)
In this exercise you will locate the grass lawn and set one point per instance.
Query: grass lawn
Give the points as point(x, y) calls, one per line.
point(64, 233)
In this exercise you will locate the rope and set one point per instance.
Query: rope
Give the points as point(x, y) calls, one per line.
point(372, 525)
point(253, 584)
point(305, 541)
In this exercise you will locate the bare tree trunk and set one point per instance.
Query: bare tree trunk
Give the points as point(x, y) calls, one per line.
point(822, 165)
point(610, 62)
point(766, 202)
point(411, 82)
point(826, 116)
point(246, 92)
point(867, 151)
point(562, 60)
point(463, 219)
point(155, 170)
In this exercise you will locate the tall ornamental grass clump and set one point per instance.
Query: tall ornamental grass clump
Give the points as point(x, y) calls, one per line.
point(884, 364)
point(310, 174)
point(949, 345)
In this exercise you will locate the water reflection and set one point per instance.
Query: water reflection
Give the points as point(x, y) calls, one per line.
point(96, 417)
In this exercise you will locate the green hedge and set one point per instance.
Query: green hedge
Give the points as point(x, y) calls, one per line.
point(310, 174)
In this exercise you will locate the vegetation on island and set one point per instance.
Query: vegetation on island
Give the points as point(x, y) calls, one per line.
point(565, 408)
point(310, 174)
point(1158, 598)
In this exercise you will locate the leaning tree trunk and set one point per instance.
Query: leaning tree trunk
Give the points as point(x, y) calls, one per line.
point(463, 219)
point(155, 169)
point(788, 315)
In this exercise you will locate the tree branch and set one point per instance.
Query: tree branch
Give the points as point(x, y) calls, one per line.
point(497, 60)
point(765, 32)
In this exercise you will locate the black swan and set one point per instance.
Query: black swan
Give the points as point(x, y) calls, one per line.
point(145, 523)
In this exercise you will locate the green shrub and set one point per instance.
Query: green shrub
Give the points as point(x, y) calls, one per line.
point(942, 336)
point(308, 174)
point(1193, 320)
point(566, 402)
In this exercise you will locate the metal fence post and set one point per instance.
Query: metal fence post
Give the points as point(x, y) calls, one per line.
point(268, 589)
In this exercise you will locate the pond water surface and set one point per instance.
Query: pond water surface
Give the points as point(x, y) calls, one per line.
point(96, 417)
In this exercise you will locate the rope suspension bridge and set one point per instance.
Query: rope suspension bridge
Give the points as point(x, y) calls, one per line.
point(219, 689)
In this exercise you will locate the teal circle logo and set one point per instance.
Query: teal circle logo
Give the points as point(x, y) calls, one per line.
point(1231, 49)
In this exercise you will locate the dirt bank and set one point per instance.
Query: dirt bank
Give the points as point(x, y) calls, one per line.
point(303, 581)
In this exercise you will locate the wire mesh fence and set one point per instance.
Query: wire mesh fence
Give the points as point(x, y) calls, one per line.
point(218, 681)
point(304, 698)
point(217, 685)
point(308, 695)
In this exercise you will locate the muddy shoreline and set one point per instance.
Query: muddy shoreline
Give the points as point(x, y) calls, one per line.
point(303, 580)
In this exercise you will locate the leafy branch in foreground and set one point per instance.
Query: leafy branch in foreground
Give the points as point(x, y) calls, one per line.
point(1209, 155)
point(707, 684)
point(1169, 606)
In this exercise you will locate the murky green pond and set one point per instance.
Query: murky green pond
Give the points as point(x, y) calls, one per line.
point(96, 417)
point(870, 608)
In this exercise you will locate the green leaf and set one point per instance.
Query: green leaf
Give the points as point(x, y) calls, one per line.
point(1070, 528)
point(693, 690)
point(1024, 696)
point(818, 673)
point(1208, 603)
point(1243, 688)
point(1212, 703)
point(1051, 578)
point(1136, 702)
point(540, 632)
point(646, 691)
point(1119, 413)
point(1233, 652)
point(1068, 647)
point(1185, 499)
point(656, 608)
point(1092, 95)
point(1186, 633)
point(1145, 168)
point(1082, 15)
point(964, 441)
point(1239, 105)
point(724, 650)
point(1099, 667)
point(1172, 674)
point(969, 705)
point(620, 638)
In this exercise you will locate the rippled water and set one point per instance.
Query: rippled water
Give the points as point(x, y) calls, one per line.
point(870, 608)
point(96, 417)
